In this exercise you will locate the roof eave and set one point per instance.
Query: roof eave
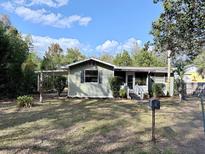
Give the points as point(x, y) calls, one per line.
point(82, 61)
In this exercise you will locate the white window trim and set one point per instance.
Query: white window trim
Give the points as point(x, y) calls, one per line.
point(91, 70)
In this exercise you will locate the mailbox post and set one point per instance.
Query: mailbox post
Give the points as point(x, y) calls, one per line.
point(154, 104)
point(153, 125)
point(203, 114)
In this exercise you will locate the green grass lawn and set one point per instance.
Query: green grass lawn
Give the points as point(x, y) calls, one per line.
point(100, 126)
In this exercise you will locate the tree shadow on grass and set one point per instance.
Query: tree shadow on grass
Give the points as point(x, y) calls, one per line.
point(94, 126)
point(64, 115)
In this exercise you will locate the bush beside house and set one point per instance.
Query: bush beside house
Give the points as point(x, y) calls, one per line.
point(115, 85)
point(123, 92)
point(60, 84)
point(117, 89)
point(157, 89)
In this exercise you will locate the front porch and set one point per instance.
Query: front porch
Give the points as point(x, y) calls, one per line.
point(138, 81)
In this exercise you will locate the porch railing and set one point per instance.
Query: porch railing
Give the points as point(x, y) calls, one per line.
point(140, 91)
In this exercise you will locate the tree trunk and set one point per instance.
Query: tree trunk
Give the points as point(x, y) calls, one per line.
point(169, 71)
point(180, 97)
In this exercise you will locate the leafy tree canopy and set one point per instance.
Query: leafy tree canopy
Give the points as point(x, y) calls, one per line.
point(144, 58)
point(47, 64)
point(53, 57)
point(31, 64)
point(13, 52)
point(199, 61)
point(123, 59)
point(54, 50)
point(73, 55)
point(180, 28)
point(107, 58)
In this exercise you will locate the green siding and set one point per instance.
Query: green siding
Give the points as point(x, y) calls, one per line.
point(78, 89)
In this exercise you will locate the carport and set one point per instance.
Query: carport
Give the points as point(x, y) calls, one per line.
point(43, 75)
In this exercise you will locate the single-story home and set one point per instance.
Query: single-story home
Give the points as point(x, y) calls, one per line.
point(90, 78)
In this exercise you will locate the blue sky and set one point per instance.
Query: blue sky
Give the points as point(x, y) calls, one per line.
point(94, 26)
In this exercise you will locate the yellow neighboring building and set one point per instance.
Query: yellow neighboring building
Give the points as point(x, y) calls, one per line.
point(194, 77)
point(194, 81)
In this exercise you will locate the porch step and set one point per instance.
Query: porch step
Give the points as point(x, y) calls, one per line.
point(134, 96)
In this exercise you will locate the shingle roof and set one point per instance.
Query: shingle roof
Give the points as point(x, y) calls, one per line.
point(82, 61)
point(122, 68)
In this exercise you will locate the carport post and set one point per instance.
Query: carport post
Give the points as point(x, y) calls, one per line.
point(41, 88)
point(203, 114)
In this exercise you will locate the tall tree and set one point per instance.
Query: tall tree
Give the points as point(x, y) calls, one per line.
point(4, 20)
point(123, 59)
point(54, 50)
point(47, 64)
point(180, 28)
point(73, 55)
point(55, 53)
point(31, 64)
point(144, 58)
point(28, 39)
point(107, 58)
point(53, 57)
point(13, 52)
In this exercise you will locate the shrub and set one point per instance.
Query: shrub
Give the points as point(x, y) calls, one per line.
point(123, 92)
point(115, 84)
point(60, 83)
point(24, 101)
point(157, 89)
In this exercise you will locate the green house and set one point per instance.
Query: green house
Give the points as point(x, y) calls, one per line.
point(90, 79)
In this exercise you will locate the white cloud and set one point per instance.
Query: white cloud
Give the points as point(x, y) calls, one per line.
point(41, 43)
point(45, 17)
point(7, 6)
point(49, 3)
point(131, 44)
point(114, 47)
point(108, 46)
point(19, 2)
point(85, 21)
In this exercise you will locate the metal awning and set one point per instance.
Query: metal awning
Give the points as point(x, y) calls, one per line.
point(51, 71)
point(143, 69)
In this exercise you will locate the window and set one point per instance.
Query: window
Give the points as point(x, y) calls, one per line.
point(91, 76)
point(141, 79)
